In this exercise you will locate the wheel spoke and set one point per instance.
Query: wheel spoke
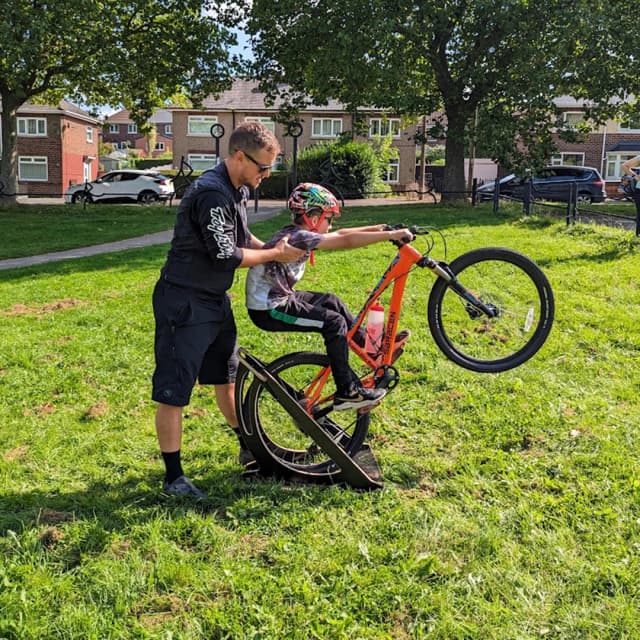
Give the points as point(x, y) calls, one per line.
point(280, 437)
point(506, 282)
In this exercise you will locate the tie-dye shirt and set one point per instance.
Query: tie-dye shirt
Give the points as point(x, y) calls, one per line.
point(270, 284)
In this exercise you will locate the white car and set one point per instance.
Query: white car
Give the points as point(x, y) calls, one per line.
point(124, 185)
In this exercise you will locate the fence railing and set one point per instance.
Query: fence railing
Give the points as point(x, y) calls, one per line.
point(572, 208)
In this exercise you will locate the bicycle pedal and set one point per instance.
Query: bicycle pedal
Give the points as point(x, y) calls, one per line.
point(365, 410)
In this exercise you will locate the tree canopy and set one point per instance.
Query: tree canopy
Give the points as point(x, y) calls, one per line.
point(499, 63)
point(131, 52)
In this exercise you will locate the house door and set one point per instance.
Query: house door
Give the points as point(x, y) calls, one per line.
point(86, 171)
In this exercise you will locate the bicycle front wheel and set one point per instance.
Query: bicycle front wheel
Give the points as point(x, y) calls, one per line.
point(277, 439)
point(520, 295)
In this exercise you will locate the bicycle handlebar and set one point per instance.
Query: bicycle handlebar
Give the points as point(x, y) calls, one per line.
point(413, 230)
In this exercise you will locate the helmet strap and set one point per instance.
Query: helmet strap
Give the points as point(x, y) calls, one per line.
point(313, 227)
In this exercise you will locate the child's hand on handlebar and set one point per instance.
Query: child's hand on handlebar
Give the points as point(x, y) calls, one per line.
point(401, 235)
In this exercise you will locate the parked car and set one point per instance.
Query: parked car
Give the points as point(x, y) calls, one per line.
point(552, 183)
point(125, 185)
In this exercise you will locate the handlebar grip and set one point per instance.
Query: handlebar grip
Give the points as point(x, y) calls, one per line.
point(393, 227)
point(407, 239)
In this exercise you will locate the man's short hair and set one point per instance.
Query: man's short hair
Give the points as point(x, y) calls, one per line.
point(252, 136)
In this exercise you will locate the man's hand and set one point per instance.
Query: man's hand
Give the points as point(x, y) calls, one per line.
point(284, 252)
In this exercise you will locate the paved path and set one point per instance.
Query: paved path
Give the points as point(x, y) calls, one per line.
point(265, 210)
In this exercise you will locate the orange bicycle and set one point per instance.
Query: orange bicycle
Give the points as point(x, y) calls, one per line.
point(489, 310)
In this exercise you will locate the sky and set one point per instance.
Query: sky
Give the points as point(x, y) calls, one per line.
point(242, 48)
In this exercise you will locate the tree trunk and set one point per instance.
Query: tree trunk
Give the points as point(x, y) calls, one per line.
point(9, 159)
point(454, 183)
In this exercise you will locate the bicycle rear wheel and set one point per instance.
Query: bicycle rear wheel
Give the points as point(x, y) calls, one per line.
point(506, 281)
point(276, 439)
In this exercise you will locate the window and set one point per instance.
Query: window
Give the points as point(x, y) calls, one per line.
point(132, 128)
point(384, 127)
point(159, 146)
point(326, 127)
point(568, 157)
point(632, 123)
point(572, 118)
point(32, 126)
point(167, 129)
point(614, 164)
point(201, 160)
point(429, 128)
point(201, 125)
point(123, 144)
point(392, 173)
point(33, 168)
point(114, 128)
point(89, 134)
point(267, 122)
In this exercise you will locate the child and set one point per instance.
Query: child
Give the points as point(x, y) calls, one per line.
point(274, 305)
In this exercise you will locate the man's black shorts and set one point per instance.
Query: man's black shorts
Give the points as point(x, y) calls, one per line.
point(195, 339)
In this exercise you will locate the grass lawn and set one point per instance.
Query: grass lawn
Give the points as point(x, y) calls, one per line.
point(27, 230)
point(511, 506)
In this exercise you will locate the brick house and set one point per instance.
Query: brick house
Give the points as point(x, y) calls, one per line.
point(57, 146)
point(193, 140)
point(121, 131)
point(606, 147)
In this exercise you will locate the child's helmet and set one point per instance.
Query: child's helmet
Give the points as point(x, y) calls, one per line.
point(308, 196)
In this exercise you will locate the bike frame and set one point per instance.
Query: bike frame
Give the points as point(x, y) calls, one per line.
point(396, 275)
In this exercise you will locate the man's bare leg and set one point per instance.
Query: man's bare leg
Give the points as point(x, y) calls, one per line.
point(169, 432)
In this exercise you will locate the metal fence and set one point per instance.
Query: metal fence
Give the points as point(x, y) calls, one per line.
point(571, 209)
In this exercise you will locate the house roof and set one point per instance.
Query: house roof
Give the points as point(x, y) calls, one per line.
point(626, 145)
point(160, 116)
point(65, 107)
point(245, 96)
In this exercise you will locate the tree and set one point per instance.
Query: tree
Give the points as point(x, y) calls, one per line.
point(152, 139)
point(502, 60)
point(130, 52)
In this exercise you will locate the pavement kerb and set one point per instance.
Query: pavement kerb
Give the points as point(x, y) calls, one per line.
point(263, 212)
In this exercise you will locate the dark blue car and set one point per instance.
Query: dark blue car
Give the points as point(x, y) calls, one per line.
point(552, 183)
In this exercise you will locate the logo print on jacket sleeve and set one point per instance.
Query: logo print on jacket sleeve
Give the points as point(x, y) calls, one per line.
point(225, 244)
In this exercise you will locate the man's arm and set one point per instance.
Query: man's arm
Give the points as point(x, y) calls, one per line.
point(218, 225)
point(281, 252)
point(627, 166)
point(255, 243)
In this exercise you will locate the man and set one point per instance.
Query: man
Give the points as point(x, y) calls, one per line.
point(627, 170)
point(195, 336)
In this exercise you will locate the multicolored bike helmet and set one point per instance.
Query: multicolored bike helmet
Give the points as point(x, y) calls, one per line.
point(313, 199)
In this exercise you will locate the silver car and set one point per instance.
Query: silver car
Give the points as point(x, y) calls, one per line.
point(124, 185)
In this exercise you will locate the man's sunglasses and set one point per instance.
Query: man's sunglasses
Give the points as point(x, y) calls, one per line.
point(262, 168)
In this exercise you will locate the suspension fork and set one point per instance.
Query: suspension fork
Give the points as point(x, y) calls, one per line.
point(442, 270)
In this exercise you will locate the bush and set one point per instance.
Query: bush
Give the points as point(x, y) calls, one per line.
point(350, 169)
point(277, 186)
point(149, 163)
